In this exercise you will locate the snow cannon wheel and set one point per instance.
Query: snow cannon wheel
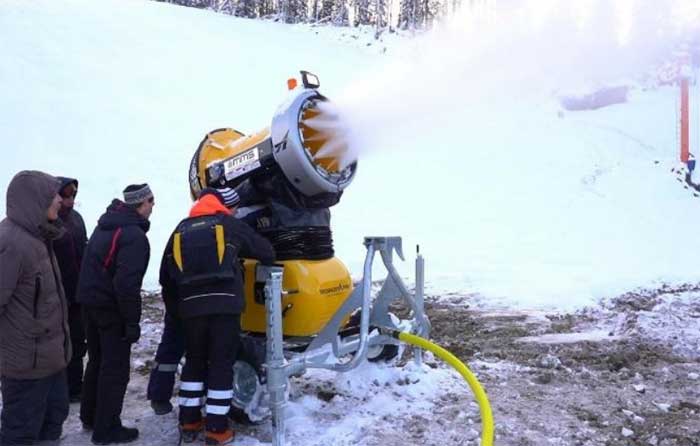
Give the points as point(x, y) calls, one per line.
point(383, 353)
point(248, 392)
point(375, 353)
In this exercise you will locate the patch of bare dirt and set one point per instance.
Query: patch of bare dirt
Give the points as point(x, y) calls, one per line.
point(631, 387)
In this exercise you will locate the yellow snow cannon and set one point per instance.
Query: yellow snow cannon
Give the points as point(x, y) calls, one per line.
point(306, 313)
point(304, 145)
point(301, 163)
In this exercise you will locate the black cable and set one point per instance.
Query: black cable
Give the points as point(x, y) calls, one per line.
point(306, 242)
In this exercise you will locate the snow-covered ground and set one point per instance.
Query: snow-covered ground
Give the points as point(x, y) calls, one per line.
point(622, 374)
point(527, 213)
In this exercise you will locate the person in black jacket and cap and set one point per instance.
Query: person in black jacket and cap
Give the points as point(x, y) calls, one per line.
point(110, 291)
point(69, 254)
point(202, 284)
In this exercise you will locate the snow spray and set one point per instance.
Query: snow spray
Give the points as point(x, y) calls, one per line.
point(490, 54)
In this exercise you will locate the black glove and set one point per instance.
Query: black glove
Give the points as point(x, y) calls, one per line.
point(132, 333)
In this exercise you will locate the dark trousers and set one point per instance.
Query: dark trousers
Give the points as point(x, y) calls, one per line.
point(107, 371)
point(168, 355)
point(211, 344)
point(77, 339)
point(33, 409)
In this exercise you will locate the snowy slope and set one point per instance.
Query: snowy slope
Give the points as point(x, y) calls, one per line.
point(113, 92)
point(463, 149)
point(461, 143)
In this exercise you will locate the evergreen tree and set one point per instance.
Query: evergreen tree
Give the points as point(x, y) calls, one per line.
point(265, 8)
point(362, 12)
point(408, 14)
point(296, 11)
point(341, 14)
point(325, 13)
point(380, 17)
point(315, 9)
point(246, 8)
point(226, 6)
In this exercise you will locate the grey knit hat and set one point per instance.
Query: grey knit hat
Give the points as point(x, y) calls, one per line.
point(137, 193)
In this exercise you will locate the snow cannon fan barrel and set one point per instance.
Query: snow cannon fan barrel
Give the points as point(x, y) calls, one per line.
point(303, 148)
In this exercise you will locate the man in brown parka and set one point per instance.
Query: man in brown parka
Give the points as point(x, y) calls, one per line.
point(34, 339)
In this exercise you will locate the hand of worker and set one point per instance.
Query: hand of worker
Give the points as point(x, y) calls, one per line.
point(132, 333)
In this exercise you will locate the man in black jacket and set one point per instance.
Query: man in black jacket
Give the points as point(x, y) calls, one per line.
point(69, 254)
point(202, 284)
point(110, 291)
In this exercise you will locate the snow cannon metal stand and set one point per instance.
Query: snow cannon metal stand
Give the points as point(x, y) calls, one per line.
point(328, 347)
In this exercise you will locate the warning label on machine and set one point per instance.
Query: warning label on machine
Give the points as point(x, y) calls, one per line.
point(242, 163)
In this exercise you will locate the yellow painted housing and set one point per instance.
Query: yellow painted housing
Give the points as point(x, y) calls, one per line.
point(225, 143)
point(315, 290)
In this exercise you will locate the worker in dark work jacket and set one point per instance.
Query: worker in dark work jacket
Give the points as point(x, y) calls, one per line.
point(172, 345)
point(109, 289)
point(202, 282)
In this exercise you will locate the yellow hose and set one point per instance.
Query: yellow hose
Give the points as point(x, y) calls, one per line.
point(488, 429)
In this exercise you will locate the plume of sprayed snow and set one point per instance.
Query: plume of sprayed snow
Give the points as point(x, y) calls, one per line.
point(491, 53)
point(331, 128)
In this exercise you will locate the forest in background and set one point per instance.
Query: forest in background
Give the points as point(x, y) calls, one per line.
point(383, 15)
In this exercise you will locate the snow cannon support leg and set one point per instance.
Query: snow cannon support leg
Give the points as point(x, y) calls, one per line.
point(419, 294)
point(276, 375)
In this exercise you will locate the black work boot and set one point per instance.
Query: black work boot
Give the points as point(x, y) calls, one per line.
point(117, 435)
point(161, 407)
point(239, 416)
